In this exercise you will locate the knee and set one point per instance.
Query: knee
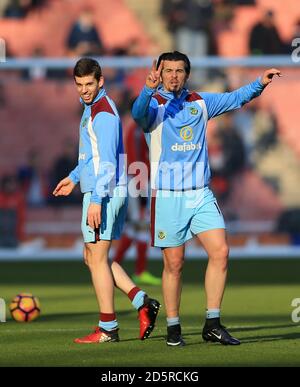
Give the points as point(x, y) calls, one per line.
point(87, 257)
point(174, 266)
point(220, 256)
point(91, 259)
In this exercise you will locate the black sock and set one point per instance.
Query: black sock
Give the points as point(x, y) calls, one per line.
point(210, 322)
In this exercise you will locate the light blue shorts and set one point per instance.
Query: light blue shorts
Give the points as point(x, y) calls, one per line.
point(177, 216)
point(113, 213)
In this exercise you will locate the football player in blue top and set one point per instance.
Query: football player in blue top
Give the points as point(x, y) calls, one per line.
point(101, 173)
point(174, 121)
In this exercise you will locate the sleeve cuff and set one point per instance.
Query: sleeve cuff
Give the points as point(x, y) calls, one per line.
point(148, 90)
point(96, 199)
point(73, 178)
point(259, 83)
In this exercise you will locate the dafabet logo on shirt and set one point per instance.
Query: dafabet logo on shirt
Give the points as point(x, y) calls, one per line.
point(185, 147)
point(186, 133)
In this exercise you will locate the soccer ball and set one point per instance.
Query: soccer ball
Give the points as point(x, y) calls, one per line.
point(25, 307)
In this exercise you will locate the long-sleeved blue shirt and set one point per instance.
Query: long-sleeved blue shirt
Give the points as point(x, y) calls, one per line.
point(175, 131)
point(100, 163)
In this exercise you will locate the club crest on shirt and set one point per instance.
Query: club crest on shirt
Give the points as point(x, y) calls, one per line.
point(193, 111)
point(84, 122)
point(161, 235)
point(186, 133)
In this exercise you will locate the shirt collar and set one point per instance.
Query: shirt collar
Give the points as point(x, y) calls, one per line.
point(170, 95)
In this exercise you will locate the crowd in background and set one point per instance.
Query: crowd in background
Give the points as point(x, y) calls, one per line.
point(235, 140)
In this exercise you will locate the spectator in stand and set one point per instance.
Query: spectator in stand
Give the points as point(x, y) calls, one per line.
point(40, 73)
point(12, 212)
point(244, 121)
point(32, 180)
point(84, 38)
point(264, 37)
point(226, 155)
point(35, 72)
point(219, 182)
point(19, 9)
point(190, 21)
point(265, 131)
point(234, 150)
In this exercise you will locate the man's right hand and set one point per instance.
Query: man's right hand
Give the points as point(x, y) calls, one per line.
point(64, 187)
point(153, 78)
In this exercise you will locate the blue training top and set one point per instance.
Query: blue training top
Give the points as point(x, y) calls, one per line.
point(100, 163)
point(175, 131)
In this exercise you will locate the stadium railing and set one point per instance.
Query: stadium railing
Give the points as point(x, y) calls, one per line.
point(142, 62)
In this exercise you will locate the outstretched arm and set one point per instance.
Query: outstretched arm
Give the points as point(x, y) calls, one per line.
point(219, 103)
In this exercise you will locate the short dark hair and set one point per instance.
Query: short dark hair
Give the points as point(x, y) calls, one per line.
point(87, 66)
point(175, 56)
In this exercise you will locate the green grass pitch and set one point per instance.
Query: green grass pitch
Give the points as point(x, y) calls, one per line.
point(256, 309)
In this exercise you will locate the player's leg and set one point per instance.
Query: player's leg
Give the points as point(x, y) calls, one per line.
point(141, 250)
point(170, 221)
point(123, 245)
point(126, 239)
point(142, 276)
point(102, 277)
point(137, 213)
point(173, 258)
point(96, 258)
point(214, 243)
point(142, 239)
point(208, 224)
point(147, 307)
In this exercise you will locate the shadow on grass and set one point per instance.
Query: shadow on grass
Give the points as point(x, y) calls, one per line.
point(258, 271)
point(244, 340)
point(257, 339)
point(262, 327)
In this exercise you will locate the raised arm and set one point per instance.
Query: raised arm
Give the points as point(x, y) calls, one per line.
point(142, 111)
point(218, 103)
